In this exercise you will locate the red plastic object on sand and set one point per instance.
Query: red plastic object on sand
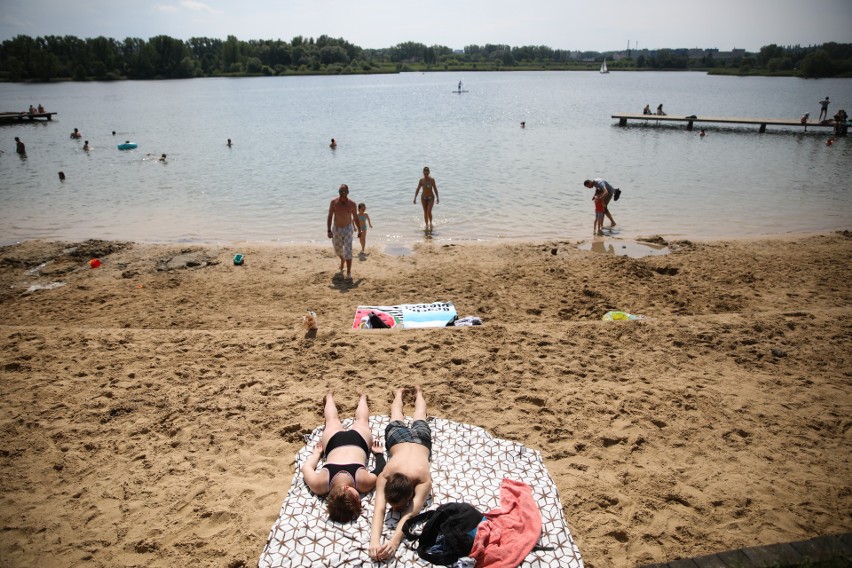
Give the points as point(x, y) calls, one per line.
point(94, 263)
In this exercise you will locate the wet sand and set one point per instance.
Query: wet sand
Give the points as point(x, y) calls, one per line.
point(151, 407)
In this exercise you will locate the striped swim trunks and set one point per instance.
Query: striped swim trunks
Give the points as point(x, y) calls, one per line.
point(419, 433)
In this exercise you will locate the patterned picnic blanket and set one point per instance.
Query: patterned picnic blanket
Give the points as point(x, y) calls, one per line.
point(468, 465)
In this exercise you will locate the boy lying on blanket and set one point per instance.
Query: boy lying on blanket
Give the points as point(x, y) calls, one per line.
point(344, 475)
point(406, 481)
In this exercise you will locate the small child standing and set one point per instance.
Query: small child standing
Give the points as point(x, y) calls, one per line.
point(600, 208)
point(363, 221)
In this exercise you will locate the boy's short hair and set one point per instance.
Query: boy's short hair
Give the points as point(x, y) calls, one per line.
point(343, 506)
point(399, 490)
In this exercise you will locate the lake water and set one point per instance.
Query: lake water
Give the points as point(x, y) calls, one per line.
point(496, 180)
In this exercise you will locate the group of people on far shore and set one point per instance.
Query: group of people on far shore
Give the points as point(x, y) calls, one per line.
point(403, 481)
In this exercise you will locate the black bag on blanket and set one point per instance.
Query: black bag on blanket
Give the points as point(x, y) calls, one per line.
point(376, 322)
point(447, 534)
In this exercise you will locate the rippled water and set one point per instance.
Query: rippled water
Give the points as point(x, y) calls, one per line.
point(495, 179)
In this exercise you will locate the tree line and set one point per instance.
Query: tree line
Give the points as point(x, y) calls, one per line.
point(48, 58)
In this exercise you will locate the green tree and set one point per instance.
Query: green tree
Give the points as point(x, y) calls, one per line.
point(333, 54)
point(817, 64)
point(230, 52)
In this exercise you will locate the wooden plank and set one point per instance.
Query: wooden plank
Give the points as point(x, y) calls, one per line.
point(813, 548)
point(623, 117)
point(773, 555)
point(25, 115)
point(710, 561)
point(734, 558)
point(682, 563)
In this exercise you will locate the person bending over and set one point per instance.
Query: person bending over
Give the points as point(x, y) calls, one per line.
point(406, 482)
point(344, 475)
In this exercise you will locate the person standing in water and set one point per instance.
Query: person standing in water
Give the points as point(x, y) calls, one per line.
point(609, 192)
point(429, 198)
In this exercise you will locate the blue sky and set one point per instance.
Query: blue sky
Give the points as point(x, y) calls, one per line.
point(604, 25)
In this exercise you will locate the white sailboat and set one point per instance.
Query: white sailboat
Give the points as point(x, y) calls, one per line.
point(603, 67)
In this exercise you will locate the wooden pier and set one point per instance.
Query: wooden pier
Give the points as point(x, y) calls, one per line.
point(692, 119)
point(7, 117)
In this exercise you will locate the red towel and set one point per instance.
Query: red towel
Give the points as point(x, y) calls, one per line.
point(510, 532)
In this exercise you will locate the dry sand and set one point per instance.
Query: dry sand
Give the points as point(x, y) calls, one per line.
point(150, 413)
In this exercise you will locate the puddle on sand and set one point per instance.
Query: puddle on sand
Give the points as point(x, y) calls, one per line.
point(633, 249)
point(397, 250)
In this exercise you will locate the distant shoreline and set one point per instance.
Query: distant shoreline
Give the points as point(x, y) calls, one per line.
point(473, 68)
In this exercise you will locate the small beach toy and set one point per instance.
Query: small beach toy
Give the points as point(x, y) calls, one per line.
point(238, 260)
point(94, 263)
point(620, 316)
point(127, 145)
point(310, 320)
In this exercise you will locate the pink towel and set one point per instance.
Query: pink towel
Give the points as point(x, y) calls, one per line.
point(510, 532)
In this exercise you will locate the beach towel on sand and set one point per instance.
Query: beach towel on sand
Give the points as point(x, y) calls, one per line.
point(468, 465)
point(408, 316)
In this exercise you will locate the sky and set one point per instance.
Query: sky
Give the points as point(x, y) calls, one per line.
point(602, 25)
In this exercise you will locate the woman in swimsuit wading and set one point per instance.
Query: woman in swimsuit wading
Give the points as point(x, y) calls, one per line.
point(344, 475)
point(429, 197)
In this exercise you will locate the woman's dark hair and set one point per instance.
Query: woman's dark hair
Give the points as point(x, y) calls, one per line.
point(343, 506)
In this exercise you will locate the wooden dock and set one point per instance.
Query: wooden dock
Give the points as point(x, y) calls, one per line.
point(692, 119)
point(7, 117)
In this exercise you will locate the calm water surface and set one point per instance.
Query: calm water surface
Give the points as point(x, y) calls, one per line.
point(495, 179)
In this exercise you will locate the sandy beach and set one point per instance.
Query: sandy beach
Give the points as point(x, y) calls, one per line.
point(152, 407)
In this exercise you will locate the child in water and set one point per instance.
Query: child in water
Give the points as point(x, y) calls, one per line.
point(597, 228)
point(363, 221)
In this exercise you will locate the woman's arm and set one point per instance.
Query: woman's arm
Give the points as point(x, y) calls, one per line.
point(316, 482)
point(419, 185)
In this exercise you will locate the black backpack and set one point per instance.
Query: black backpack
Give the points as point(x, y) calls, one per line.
point(450, 526)
point(376, 322)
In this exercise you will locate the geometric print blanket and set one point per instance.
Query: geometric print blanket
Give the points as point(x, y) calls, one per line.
point(468, 465)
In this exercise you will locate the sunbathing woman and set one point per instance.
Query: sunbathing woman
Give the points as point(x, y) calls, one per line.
point(344, 475)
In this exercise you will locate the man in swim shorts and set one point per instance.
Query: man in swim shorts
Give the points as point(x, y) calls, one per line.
point(344, 215)
point(406, 481)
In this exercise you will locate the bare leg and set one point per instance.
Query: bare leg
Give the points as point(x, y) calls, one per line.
point(419, 405)
point(332, 420)
point(330, 410)
point(425, 212)
point(608, 214)
point(362, 420)
point(348, 268)
point(396, 406)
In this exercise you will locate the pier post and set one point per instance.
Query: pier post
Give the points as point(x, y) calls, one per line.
point(689, 125)
point(762, 128)
point(622, 122)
